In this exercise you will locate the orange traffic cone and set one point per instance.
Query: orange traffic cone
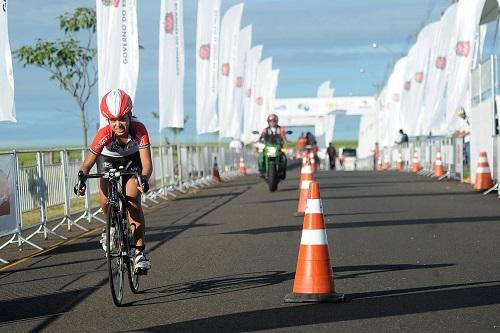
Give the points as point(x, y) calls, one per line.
point(305, 170)
point(215, 171)
point(438, 166)
point(399, 163)
point(305, 181)
point(386, 164)
point(415, 166)
point(313, 276)
point(483, 174)
point(314, 167)
point(243, 170)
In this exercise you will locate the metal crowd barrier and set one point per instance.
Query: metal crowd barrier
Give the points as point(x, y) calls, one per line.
point(44, 188)
point(425, 149)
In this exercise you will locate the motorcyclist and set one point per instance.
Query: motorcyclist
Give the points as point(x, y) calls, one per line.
point(272, 128)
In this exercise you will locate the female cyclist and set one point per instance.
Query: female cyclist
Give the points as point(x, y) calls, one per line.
point(125, 140)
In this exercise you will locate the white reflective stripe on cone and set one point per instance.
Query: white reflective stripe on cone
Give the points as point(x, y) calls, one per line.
point(482, 160)
point(306, 169)
point(314, 206)
point(305, 184)
point(483, 170)
point(314, 237)
point(439, 162)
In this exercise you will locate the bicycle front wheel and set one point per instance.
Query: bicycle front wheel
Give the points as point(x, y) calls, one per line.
point(133, 278)
point(116, 261)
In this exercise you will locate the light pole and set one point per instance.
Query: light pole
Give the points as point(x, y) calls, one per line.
point(377, 86)
point(376, 45)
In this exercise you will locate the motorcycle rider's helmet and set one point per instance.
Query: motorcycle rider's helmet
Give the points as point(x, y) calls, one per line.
point(272, 118)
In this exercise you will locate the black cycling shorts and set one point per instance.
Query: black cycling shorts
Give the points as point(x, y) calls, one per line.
point(105, 163)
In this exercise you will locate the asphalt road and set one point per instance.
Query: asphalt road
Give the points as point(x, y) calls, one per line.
point(410, 253)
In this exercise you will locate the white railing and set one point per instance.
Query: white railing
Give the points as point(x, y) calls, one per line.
point(47, 185)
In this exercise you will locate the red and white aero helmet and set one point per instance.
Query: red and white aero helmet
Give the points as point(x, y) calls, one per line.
point(115, 104)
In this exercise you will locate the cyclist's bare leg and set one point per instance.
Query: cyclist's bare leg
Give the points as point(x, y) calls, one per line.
point(103, 196)
point(135, 214)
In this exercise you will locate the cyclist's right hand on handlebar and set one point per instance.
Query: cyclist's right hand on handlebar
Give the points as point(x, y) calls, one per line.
point(80, 187)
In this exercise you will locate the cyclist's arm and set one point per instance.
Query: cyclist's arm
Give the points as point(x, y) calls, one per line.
point(146, 162)
point(88, 163)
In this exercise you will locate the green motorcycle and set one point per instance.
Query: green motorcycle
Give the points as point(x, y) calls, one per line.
point(272, 161)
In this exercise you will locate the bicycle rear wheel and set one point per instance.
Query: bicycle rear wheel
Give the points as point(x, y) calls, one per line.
point(133, 278)
point(116, 261)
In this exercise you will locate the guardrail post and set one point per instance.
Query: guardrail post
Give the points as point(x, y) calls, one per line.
point(67, 199)
point(17, 236)
point(42, 199)
point(87, 214)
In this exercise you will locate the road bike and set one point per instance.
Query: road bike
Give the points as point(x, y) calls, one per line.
point(120, 246)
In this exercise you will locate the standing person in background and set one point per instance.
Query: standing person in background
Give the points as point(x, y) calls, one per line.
point(464, 133)
point(332, 155)
point(403, 138)
point(376, 155)
point(301, 143)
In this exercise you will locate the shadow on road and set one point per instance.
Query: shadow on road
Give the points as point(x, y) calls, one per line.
point(367, 305)
point(375, 196)
point(371, 224)
point(210, 287)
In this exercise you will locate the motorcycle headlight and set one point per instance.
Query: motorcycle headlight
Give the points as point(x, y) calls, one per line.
point(271, 151)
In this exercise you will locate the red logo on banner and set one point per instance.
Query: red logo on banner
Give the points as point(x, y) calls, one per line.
point(463, 48)
point(239, 82)
point(440, 62)
point(249, 92)
point(260, 100)
point(225, 69)
point(205, 51)
point(109, 3)
point(407, 85)
point(169, 23)
point(396, 97)
point(419, 77)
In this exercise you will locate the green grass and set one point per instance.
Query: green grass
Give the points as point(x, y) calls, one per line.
point(345, 143)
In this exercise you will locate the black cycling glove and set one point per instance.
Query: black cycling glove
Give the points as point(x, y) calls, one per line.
point(80, 187)
point(145, 184)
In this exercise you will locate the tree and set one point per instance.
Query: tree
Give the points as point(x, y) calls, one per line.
point(68, 61)
point(175, 130)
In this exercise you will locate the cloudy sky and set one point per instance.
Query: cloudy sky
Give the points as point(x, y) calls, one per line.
point(310, 42)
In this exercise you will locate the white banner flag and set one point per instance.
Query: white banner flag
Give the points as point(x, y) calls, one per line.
point(171, 65)
point(271, 90)
point(252, 61)
point(117, 46)
point(207, 59)
point(7, 108)
point(435, 102)
point(394, 92)
point(229, 36)
point(261, 93)
point(236, 114)
point(324, 90)
point(464, 53)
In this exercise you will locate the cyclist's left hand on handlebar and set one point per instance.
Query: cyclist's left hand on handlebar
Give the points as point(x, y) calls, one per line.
point(80, 187)
point(145, 184)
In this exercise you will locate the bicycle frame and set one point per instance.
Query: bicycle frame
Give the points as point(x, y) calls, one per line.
point(120, 248)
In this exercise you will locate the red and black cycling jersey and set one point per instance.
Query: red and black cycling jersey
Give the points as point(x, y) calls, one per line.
point(106, 143)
